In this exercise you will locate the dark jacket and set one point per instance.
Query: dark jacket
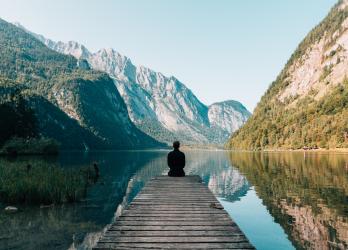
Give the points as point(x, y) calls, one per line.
point(176, 163)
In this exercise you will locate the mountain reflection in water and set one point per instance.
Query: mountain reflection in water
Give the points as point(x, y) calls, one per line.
point(303, 197)
point(306, 193)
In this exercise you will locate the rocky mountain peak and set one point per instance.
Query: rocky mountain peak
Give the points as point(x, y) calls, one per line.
point(321, 67)
point(70, 48)
point(161, 106)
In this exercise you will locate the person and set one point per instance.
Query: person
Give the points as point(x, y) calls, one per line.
point(176, 161)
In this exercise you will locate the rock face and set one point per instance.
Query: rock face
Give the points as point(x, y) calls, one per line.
point(160, 106)
point(227, 117)
point(307, 105)
point(79, 107)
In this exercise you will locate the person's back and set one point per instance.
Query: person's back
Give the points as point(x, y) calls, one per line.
point(176, 161)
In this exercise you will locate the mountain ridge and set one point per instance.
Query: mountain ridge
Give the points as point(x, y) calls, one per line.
point(63, 94)
point(160, 106)
point(307, 105)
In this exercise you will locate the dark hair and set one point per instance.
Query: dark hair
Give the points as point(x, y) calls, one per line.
point(176, 144)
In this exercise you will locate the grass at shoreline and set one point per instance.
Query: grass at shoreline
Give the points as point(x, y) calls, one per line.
point(42, 184)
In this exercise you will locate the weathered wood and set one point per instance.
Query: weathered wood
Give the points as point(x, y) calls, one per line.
point(174, 233)
point(160, 212)
point(173, 218)
point(174, 213)
point(172, 202)
point(174, 223)
point(242, 245)
point(171, 239)
point(172, 228)
point(179, 215)
point(144, 209)
point(176, 195)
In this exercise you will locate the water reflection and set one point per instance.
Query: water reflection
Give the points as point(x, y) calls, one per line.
point(273, 198)
point(78, 225)
point(306, 193)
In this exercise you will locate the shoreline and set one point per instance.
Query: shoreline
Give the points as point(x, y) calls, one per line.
point(337, 150)
point(320, 150)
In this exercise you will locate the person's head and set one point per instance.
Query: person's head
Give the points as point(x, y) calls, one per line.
point(176, 145)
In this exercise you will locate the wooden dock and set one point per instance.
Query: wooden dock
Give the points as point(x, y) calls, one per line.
point(174, 213)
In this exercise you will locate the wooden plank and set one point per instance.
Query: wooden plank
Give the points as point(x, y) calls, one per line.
point(146, 210)
point(177, 189)
point(184, 206)
point(178, 194)
point(173, 233)
point(172, 202)
point(174, 223)
point(176, 199)
point(172, 228)
point(181, 215)
point(173, 218)
point(171, 239)
point(174, 213)
point(243, 245)
point(174, 208)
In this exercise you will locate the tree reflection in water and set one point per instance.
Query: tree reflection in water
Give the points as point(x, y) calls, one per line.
point(306, 193)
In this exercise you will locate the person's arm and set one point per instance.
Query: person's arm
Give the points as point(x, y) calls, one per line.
point(184, 160)
point(168, 160)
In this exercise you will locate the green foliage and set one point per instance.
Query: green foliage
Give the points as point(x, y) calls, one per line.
point(157, 131)
point(302, 177)
point(314, 185)
point(326, 72)
point(27, 61)
point(311, 123)
point(18, 119)
point(79, 107)
point(320, 123)
point(42, 183)
point(44, 146)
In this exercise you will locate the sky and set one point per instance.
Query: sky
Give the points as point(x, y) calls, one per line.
point(220, 49)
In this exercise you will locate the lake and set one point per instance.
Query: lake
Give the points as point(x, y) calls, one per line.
point(293, 200)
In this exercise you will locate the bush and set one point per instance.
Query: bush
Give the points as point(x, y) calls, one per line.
point(44, 146)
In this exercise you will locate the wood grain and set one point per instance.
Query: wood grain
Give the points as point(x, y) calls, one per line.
point(174, 213)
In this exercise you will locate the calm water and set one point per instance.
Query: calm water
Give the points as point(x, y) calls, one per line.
point(280, 200)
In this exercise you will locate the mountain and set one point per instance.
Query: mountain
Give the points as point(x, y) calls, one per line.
point(79, 107)
point(307, 105)
point(226, 117)
point(160, 106)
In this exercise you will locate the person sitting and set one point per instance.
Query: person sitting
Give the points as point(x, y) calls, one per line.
point(176, 161)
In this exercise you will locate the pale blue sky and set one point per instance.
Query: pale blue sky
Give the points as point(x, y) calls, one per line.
point(221, 49)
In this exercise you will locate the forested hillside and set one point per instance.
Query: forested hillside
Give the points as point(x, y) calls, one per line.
point(307, 105)
point(78, 107)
